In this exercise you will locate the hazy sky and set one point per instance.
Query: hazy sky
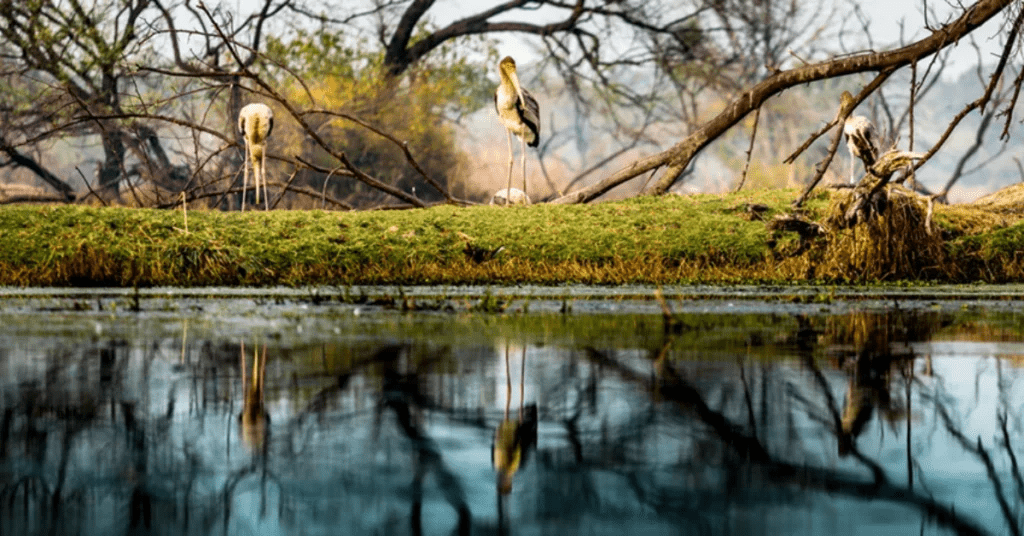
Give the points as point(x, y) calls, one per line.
point(886, 15)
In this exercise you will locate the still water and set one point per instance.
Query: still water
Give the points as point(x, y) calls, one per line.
point(301, 414)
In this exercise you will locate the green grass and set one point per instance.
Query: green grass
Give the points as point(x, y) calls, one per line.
point(661, 240)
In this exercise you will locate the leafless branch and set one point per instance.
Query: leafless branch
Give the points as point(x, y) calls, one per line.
point(750, 149)
point(680, 155)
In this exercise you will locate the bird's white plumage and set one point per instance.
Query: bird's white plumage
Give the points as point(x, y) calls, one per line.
point(519, 113)
point(862, 139)
point(510, 196)
point(256, 121)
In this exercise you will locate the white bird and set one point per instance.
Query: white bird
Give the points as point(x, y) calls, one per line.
point(518, 111)
point(510, 196)
point(256, 121)
point(861, 136)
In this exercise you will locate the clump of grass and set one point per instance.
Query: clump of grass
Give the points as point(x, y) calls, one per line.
point(997, 255)
point(892, 245)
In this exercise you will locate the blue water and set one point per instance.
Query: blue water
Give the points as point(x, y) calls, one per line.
point(744, 416)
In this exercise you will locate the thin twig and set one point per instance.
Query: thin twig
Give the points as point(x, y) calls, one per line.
point(89, 186)
point(295, 173)
point(323, 192)
point(403, 145)
point(750, 149)
point(913, 99)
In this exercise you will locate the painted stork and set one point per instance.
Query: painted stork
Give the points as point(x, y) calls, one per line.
point(256, 121)
point(519, 112)
point(861, 137)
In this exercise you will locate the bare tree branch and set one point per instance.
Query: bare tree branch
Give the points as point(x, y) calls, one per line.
point(678, 157)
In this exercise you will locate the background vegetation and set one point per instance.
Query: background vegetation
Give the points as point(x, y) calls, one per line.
point(134, 101)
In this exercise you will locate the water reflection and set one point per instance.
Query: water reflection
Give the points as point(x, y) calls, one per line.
point(254, 419)
point(442, 424)
point(514, 438)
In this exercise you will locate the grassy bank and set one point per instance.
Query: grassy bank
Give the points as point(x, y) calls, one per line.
point(670, 239)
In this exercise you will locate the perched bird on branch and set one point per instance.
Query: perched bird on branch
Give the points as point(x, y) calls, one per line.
point(519, 112)
point(861, 136)
point(256, 121)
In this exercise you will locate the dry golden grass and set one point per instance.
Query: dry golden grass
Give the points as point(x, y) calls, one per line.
point(894, 245)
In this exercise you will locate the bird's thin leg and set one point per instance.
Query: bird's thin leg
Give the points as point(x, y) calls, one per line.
point(508, 188)
point(256, 174)
point(522, 381)
point(245, 174)
point(508, 383)
point(242, 359)
point(523, 149)
point(853, 162)
point(263, 173)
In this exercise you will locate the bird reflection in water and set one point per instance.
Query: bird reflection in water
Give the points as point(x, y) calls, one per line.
point(867, 391)
point(254, 419)
point(513, 438)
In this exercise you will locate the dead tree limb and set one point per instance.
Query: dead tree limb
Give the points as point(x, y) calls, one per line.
point(679, 156)
point(64, 190)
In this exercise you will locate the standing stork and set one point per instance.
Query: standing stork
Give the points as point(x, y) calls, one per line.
point(519, 112)
point(255, 121)
point(861, 136)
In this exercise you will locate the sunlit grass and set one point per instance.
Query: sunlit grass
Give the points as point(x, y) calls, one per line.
point(660, 240)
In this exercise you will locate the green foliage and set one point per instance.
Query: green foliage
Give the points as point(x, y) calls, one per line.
point(329, 73)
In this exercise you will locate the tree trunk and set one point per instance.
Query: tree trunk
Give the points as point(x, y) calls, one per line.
point(111, 170)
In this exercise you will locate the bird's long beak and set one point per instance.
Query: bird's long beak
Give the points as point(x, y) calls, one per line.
point(514, 77)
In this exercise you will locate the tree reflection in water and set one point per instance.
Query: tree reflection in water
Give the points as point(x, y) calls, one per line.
point(718, 424)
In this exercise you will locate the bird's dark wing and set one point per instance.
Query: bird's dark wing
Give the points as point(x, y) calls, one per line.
point(270, 125)
point(871, 143)
point(530, 114)
point(862, 133)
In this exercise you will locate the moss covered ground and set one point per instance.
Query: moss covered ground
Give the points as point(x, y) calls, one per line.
point(658, 240)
